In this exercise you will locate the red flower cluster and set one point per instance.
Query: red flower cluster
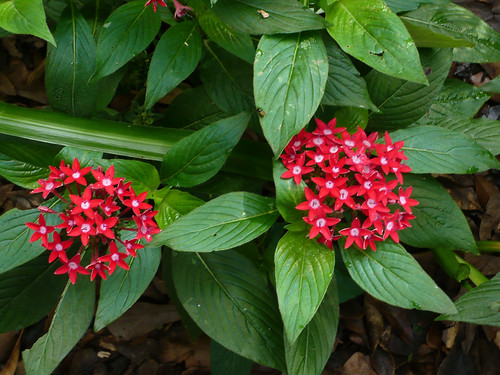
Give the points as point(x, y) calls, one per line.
point(95, 217)
point(180, 10)
point(347, 175)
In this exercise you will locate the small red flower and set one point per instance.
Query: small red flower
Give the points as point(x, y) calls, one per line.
point(106, 180)
point(136, 203)
point(355, 234)
point(155, 3)
point(84, 229)
point(85, 203)
point(46, 187)
point(41, 230)
point(314, 204)
point(297, 169)
point(75, 173)
point(72, 268)
point(114, 258)
point(104, 226)
point(321, 225)
point(58, 248)
point(97, 268)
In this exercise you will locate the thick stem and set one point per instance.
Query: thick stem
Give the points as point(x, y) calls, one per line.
point(488, 246)
point(474, 275)
point(457, 267)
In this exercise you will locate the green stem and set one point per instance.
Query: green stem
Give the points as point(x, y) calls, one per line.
point(474, 275)
point(488, 246)
point(249, 158)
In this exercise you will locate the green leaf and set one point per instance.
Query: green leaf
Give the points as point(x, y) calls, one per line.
point(351, 118)
point(431, 149)
point(120, 291)
point(25, 17)
point(144, 176)
point(392, 275)
point(28, 293)
point(344, 86)
point(174, 204)
point(304, 269)
point(85, 158)
point(369, 31)
point(192, 109)
point(481, 305)
point(225, 362)
point(456, 99)
point(439, 222)
point(290, 74)
point(223, 223)
point(346, 287)
point(71, 319)
point(267, 16)
point(310, 353)
point(227, 80)
point(398, 6)
point(402, 102)
point(30, 152)
point(15, 235)
point(485, 131)
point(492, 86)
point(452, 20)
point(176, 56)
point(70, 65)
point(230, 301)
point(201, 155)
point(20, 173)
point(126, 32)
point(236, 42)
point(288, 194)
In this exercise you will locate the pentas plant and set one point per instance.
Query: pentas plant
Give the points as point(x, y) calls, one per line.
point(96, 213)
point(349, 177)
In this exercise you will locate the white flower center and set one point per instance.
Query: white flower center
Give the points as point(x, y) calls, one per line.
point(355, 232)
point(119, 191)
point(366, 169)
point(296, 170)
point(71, 223)
point(115, 257)
point(349, 143)
point(59, 247)
point(329, 184)
point(76, 175)
point(85, 205)
point(335, 169)
point(327, 132)
point(43, 230)
point(334, 149)
point(135, 203)
point(371, 203)
point(344, 194)
point(314, 204)
point(297, 144)
point(318, 141)
point(144, 230)
point(390, 225)
point(106, 182)
point(72, 265)
point(107, 208)
point(49, 186)
point(366, 143)
point(320, 223)
point(367, 185)
point(85, 228)
point(390, 148)
point(356, 159)
point(402, 200)
point(383, 160)
point(103, 227)
point(319, 158)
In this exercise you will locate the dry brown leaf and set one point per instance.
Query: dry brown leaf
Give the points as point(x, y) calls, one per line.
point(450, 334)
point(374, 322)
point(358, 363)
point(490, 224)
point(484, 189)
point(11, 365)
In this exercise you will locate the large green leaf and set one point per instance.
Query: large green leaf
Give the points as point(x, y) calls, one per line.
point(405, 5)
point(199, 156)
point(236, 42)
point(28, 293)
point(15, 235)
point(267, 16)
point(230, 301)
point(25, 17)
point(309, 354)
point(225, 362)
point(344, 86)
point(120, 291)
point(222, 223)
point(304, 269)
point(86, 158)
point(288, 194)
point(454, 21)
point(439, 222)
point(369, 31)
point(192, 109)
point(144, 176)
point(431, 149)
point(290, 74)
point(227, 80)
point(481, 305)
point(173, 204)
point(70, 65)
point(400, 102)
point(20, 173)
point(70, 322)
point(351, 118)
point(456, 99)
point(392, 275)
point(126, 32)
point(485, 131)
point(175, 58)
